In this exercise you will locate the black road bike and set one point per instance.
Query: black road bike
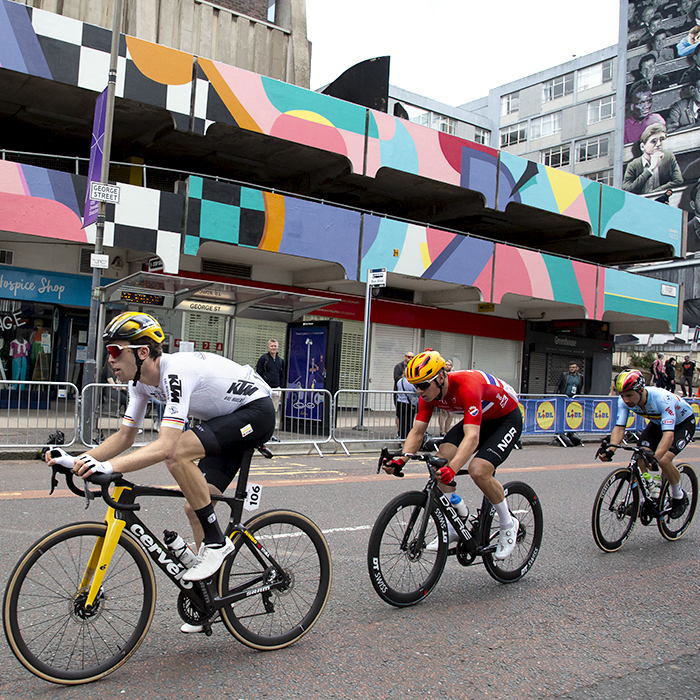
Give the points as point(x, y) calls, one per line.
point(625, 497)
point(81, 599)
point(403, 571)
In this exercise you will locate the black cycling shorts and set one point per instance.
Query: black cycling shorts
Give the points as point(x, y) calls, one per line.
point(497, 438)
point(229, 439)
point(682, 435)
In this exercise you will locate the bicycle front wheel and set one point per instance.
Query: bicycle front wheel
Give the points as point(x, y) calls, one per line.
point(670, 528)
point(276, 618)
point(402, 570)
point(524, 505)
point(615, 510)
point(48, 626)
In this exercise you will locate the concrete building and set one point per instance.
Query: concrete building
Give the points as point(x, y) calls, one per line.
point(274, 202)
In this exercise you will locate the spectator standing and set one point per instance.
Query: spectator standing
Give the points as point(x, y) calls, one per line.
point(406, 406)
point(670, 371)
point(271, 367)
point(687, 373)
point(570, 384)
point(399, 370)
point(445, 417)
point(658, 371)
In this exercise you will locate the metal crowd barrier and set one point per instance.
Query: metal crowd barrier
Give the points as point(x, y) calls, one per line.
point(108, 402)
point(369, 416)
point(32, 414)
point(303, 416)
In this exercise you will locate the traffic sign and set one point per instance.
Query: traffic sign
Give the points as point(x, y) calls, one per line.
point(377, 278)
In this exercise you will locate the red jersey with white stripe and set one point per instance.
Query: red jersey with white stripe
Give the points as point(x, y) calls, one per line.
point(480, 395)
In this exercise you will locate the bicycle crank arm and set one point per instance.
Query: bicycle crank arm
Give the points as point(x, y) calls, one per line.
point(488, 549)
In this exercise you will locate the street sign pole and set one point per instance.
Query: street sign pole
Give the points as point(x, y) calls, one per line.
point(375, 279)
point(90, 367)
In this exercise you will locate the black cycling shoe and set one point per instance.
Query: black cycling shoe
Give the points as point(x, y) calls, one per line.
point(678, 506)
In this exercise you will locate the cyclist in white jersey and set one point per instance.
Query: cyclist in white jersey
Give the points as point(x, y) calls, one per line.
point(232, 402)
point(671, 427)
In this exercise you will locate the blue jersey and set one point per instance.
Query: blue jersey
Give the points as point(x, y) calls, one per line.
point(662, 407)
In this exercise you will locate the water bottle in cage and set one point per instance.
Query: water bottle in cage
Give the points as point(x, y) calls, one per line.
point(179, 548)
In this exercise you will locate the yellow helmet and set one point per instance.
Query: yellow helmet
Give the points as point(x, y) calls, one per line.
point(424, 366)
point(132, 325)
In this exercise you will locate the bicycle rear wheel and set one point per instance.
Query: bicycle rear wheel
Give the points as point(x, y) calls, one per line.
point(524, 505)
point(401, 569)
point(670, 528)
point(276, 618)
point(47, 625)
point(615, 510)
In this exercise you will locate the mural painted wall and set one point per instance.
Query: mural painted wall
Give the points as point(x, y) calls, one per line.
point(662, 119)
point(39, 43)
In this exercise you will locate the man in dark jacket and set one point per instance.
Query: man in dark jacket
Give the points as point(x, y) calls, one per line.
point(270, 367)
point(570, 384)
point(687, 372)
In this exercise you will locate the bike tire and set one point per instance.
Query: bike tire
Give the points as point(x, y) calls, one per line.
point(524, 505)
point(674, 529)
point(403, 575)
point(276, 618)
point(612, 523)
point(46, 627)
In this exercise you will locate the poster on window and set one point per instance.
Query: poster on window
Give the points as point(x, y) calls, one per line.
point(662, 106)
point(306, 363)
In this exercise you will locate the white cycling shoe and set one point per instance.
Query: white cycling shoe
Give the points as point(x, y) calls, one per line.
point(506, 541)
point(453, 537)
point(209, 560)
point(187, 628)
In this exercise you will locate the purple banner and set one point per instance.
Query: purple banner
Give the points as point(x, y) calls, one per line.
point(96, 151)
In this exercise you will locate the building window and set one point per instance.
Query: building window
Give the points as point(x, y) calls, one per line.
point(436, 121)
point(482, 136)
point(596, 75)
point(604, 176)
point(592, 148)
point(510, 103)
point(600, 110)
point(559, 87)
point(517, 133)
point(545, 126)
point(557, 157)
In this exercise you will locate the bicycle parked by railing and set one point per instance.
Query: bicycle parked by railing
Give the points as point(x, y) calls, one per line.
point(81, 599)
point(626, 496)
point(404, 571)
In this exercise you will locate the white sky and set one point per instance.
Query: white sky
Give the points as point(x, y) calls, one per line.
point(454, 51)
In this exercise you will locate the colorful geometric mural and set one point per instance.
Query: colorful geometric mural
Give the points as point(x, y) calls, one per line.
point(533, 274)
point(227, 213)
point(640, 296)
point(199, 92)
point(41, 202)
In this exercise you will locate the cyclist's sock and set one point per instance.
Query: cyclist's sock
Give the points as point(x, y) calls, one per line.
point(676, 491)
point(504, 519)
point(210, 525)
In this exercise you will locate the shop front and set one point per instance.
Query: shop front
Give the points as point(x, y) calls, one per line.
point(43, 325)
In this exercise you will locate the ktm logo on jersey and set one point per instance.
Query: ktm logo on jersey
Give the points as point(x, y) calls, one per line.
point(242, 388)
point(175, 387)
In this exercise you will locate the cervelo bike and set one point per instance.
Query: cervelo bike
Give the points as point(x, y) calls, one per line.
point(403, 572)
point(81, 599)
point(625, 497)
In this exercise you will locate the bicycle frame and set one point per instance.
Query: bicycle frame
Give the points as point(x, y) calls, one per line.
point(121, 518)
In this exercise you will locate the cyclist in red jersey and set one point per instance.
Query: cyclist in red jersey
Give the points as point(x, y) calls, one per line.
point(491, 428)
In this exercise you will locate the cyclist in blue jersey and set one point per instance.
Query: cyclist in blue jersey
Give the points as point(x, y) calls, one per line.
point(671, 427)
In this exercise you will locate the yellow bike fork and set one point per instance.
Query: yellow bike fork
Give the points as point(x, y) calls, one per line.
point(102, 553)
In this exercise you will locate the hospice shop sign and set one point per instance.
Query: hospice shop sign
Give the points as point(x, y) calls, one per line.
point(49, 287)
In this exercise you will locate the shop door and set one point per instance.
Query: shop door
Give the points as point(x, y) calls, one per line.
point(388, 346)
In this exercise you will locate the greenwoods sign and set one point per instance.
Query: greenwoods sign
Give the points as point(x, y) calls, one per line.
point(46, 287)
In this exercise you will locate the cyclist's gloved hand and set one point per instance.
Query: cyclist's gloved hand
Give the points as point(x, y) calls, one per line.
point(446, 474)
point(605, 455)
point(93, 466)
point(396, 465)
point(60, 457)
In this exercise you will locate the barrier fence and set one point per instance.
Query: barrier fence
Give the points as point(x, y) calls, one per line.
point(33, 413)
